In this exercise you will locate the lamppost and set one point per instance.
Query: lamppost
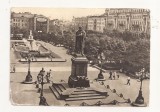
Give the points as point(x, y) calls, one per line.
point(101, 57)
point(139, 102)
point(42, 98)
point(28, 79)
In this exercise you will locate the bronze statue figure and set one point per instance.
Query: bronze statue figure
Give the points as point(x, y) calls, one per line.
point(80, 36)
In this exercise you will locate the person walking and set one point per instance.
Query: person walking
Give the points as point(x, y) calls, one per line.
point(114, 75)
point(118, 76)
point(110, 73)
point(128, 81)
point(48, 76)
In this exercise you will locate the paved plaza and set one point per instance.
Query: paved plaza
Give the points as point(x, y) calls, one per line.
point(26, 94)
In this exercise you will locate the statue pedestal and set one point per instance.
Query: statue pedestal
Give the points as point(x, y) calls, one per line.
point(78, 77)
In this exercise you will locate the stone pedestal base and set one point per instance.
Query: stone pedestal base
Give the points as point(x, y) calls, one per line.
point(78, 77)
point(74, 82)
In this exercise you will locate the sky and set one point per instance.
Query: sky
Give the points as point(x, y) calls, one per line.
point(61, 13)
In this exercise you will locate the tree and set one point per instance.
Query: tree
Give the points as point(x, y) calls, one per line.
point(138, 55)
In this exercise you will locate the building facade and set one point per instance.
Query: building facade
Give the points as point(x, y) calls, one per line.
point(22, 20)
point(134, 20)
point(41, 23)
point(96, 23)
point(81, 21)
point(30, 21)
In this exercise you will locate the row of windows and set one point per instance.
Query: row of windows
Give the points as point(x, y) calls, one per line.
point(119, 22)
point(19, 25)
point(121, 17)
point(20, 20)
point(126, 10)
point(137, 22)
point(136, 29)
point(102, 21)
point(137, 16)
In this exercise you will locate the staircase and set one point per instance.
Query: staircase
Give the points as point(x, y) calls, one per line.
point(62, 92)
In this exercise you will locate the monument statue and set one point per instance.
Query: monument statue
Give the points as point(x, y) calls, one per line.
point(80, 36)
point(78, 77)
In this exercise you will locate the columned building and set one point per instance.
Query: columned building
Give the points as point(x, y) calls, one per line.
point(134, 20)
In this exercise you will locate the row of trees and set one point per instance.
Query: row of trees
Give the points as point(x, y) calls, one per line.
point(131, 51)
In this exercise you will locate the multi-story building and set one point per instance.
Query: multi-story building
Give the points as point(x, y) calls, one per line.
point(135, 20)
point(41, 23)
point(30, 21)
point(96, 23)
point(81, 21)
point(22, 20)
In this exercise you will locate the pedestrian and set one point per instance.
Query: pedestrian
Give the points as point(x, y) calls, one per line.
point(50, 72)
point(118, 76)
point(128, 81)
point(114, 75)
point(110, 73)
point(39, 78)
point(14, 68)
point(48, 77)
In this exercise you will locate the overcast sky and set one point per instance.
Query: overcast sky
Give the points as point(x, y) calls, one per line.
point(61, 13)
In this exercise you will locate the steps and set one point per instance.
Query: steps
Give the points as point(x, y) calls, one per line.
point(54, 91)
point(73, 94)
point(85, 98)
point(82, 95)
point(57, 90)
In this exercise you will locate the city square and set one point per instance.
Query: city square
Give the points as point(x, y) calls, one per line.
point(65, 71)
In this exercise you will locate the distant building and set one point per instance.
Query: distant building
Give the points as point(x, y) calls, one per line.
point(41, 23)
point(134, 20)
point(55, 22)
point(22, 20)
point(96, 23)
point(30, 21)
point(81, 21)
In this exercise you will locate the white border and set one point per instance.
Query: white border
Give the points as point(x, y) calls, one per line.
point(5, 5)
